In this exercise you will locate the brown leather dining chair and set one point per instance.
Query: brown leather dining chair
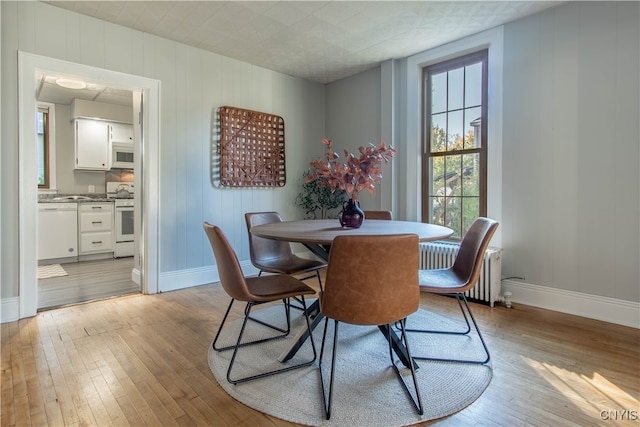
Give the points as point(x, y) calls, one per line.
point(459, 278)
point(388, 215)
point(371, 280)
point(273, 256)
point(254, 291)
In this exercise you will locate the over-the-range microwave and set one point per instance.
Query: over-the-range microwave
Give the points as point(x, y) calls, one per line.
point(121, 155)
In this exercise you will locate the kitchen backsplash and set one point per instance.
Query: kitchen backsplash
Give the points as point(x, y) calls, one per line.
point(119, 175)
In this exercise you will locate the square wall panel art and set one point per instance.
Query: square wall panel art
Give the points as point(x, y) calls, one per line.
point(251, 148)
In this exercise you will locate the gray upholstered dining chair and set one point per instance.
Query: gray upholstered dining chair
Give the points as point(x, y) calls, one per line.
point(388, 215)
point(459, 278)
point(254, 291)
point(273, 256)
point(371, 280)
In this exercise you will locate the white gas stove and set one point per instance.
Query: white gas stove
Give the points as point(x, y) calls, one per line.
point(122, 194)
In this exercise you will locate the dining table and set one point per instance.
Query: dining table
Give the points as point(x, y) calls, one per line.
point(317, 236)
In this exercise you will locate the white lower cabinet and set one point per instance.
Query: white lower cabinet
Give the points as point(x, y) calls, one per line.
point(95, 228)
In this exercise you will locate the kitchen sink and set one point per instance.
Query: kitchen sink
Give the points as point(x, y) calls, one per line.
point(72, 198)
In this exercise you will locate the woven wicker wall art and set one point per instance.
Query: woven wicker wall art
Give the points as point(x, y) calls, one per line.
point(251, 148)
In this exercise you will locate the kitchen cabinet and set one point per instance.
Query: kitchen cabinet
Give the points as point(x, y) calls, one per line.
point(95, 228)
point(57, 230)
point(121, 133)
point(92, 144)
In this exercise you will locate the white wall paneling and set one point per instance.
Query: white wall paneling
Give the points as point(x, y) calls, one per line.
point(193, 84)
point(564, 153)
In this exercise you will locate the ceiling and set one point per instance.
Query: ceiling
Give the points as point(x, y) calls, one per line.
point(321, 41)
point(47, 90)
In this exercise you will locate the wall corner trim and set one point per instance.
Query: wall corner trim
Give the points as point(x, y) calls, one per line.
point(9, 309)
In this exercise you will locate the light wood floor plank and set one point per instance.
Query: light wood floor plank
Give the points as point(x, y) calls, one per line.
point(126, 364)
point(170, 382)
point(54, 413)
point(98, 410)
point(155, 404)
point(21, 410)
point(64, 396)
point(142, 360)
point(129, 410)
point(80, 402)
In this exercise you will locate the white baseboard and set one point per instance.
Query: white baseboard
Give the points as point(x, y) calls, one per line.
point(9, 309)
point(135, 276)
point(180, 279)
point(174, 280)
point(621, 312)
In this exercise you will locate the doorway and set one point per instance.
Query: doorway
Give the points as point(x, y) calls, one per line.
point(146, 251)
point(70, 269)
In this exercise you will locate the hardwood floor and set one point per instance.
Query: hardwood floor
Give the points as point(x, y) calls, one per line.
point(142, 360)
point(87, 281)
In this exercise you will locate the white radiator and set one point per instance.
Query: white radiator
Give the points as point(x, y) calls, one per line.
point(442, 254)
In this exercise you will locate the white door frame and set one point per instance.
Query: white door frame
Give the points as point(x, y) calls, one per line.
point(147, 200)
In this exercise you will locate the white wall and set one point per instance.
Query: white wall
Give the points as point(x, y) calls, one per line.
point(353, 111)
point(194, 83)
point(569, 202)
point(571, 149)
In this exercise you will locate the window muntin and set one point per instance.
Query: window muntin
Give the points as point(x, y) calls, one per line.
point(454, 131)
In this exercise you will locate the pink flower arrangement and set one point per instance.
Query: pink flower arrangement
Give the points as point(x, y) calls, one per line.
point(356, 174)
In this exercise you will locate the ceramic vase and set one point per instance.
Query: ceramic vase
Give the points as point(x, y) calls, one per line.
point(351, 215)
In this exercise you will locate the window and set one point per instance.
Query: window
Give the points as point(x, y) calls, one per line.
point(455, 142)
point(45, 118)
point(42, 129)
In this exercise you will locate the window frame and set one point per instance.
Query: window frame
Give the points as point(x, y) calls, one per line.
point(481, 56)
point(408, 189)
point(50, 151)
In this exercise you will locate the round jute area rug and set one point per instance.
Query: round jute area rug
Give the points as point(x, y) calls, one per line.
point(366, 389)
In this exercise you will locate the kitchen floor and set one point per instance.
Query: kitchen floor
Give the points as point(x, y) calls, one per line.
point(87, 281)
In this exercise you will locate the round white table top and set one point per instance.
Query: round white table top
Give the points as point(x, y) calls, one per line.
point(323, 231)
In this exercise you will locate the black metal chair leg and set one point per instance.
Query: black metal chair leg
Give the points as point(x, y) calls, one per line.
point(319, 279)
point(326, 403)
point(464, 308)
point(224, 319)
point(317, 275)
point(247, 310)
point(429, 331)
point(238, 345)
point(475, 324)
point(286, 331)
point(417, 401)
point(235, 350)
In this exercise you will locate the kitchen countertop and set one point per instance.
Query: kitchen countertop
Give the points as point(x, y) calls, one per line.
point(69, 198)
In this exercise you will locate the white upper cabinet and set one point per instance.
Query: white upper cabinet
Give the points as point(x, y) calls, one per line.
point(121, 133)
point(92, 145)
